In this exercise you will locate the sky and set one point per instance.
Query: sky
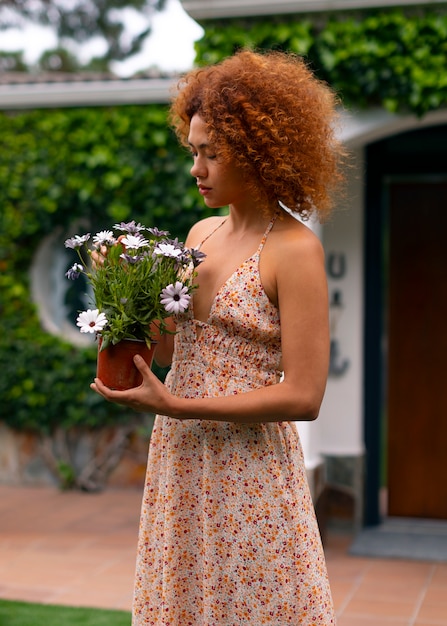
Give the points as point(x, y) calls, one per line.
point(170, 46)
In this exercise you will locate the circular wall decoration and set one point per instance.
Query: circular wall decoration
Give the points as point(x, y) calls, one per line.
point(58, 299)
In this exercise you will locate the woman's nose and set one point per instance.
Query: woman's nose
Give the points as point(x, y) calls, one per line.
point(197, 169)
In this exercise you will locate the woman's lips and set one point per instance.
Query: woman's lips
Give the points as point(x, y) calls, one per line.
point(204, 190)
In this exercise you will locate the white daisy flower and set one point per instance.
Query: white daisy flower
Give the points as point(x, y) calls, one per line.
point(91, 321)
point(104, 238)
point(130, 227)
point(175, 298)
point(134, 242)
point(77, 241)
point(168, 249)
point(74, 271)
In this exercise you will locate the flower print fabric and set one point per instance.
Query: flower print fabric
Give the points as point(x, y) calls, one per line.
point(228, 534)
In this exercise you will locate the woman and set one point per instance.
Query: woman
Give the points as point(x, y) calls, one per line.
point(228, 533)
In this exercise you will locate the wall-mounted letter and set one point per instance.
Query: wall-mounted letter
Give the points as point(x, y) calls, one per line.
point(336, 265)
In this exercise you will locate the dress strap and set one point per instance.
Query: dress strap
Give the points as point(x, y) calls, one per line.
point(211, 233)
point(267, 230)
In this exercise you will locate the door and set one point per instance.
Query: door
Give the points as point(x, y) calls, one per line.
point(417, 350)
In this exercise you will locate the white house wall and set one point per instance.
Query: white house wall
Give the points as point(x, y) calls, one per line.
point(341, 412)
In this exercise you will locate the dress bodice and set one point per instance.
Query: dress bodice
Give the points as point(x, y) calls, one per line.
point(239, 346)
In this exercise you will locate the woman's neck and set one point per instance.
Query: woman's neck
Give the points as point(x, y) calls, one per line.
point(248, 218)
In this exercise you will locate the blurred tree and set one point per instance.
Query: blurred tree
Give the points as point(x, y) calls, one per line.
point(12, 62)
point(58, 60)
point(81, 22)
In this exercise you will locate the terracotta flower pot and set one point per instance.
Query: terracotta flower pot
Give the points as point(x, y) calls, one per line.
point(115, 366)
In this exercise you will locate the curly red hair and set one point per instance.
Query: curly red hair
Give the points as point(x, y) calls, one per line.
point(270, 115)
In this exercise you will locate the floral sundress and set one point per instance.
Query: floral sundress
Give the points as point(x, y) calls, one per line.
point(228, 534)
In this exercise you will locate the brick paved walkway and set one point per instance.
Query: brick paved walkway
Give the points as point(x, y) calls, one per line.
point(79, 549)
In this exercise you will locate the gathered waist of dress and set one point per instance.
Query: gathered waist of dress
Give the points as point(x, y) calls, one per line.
point(222, 348)
point(211, 378)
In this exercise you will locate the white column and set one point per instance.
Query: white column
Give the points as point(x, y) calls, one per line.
point(341, 418)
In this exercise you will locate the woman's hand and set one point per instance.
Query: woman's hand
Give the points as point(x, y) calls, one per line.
point(98, 256)
point(151, 396)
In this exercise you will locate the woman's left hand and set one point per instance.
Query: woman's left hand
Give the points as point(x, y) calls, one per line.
point(151, 396)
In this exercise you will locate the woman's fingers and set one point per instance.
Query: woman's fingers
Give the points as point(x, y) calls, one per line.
point(147, 397)
point(98, 256)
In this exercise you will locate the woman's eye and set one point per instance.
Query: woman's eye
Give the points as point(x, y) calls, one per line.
point(211, 157)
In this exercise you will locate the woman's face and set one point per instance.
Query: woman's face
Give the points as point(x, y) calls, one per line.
point(219, 183)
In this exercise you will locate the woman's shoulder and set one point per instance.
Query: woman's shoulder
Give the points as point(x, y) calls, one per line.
point(293, 252)
point(201, 229)
point(295, 237)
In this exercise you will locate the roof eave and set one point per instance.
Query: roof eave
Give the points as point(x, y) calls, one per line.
point(85, 93)
point(209, 9)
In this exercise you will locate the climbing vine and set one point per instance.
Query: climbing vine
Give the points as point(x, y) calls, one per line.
point(57, 167)
point(391, 58)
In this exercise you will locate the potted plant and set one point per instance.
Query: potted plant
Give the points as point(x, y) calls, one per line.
point(138, 279)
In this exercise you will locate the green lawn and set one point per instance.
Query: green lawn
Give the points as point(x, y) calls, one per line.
point(24, 614)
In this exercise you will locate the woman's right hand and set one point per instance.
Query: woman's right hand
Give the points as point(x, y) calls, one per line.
point(98, 256)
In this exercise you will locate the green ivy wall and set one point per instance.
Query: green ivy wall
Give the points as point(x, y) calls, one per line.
point(98, 166)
